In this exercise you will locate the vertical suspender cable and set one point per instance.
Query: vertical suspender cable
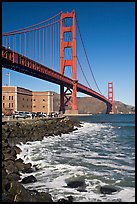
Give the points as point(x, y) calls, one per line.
point(6, 42)
point(20, 43)
point(53, 47)
point(35, 45)
point(50, 45)
point(39, 45)
point(24, 44)
point(46, 45)
point(43, 46)
point(15, 42)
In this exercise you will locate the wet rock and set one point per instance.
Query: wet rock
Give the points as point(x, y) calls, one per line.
point(21, 166)
point(5, 183)
point(4, 173)
point(23, 131)
point(12, 169)
point(18, 193)
point(62, 200)
point(8, 162)
point(10, 154)
point(14, 176)
point(29, 179)
point(69, 199)
point(108, 189)
point(40, 196)
point(81, 189)
point(17, 149)
point(30, 170)
point(76, 183)
point(6, 197)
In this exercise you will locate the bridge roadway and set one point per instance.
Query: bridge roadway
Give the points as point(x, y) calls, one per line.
point(20, 63)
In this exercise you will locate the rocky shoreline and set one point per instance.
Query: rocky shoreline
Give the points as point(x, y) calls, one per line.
point(14, 132)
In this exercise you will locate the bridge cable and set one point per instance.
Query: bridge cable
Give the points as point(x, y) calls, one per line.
point(83, 72)
point(26, 31)
point(43, 46)
point(87, 56)
point(26, 28)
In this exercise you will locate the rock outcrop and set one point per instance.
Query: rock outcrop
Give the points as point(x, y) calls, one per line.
point(14, 132)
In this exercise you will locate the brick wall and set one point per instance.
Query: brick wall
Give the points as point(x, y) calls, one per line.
point(24, 99)
point(21, 99)
point(42, 102)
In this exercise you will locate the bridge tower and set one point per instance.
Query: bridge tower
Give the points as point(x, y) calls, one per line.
point(111, 97)
point(68, 96)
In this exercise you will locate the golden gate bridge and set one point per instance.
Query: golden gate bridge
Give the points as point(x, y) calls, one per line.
point(46, 50)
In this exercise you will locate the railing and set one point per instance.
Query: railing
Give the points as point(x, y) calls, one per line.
point(17, 59)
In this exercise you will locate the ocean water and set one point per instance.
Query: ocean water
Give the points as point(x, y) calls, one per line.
point(101, 152)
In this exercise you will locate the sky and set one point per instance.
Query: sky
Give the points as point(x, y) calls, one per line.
point(108, 33)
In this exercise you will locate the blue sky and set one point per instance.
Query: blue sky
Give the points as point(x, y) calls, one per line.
point(108, 32)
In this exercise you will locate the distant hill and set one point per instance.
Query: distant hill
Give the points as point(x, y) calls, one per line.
point(93, 105)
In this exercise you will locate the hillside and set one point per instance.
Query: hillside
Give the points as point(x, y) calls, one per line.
point(93, 105)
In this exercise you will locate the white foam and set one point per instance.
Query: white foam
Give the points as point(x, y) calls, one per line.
point(78, 154)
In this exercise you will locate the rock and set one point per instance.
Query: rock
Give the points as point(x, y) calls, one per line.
point(107, 189)
point(5, 184)
point(18, 193)
point(23, 131)
point(30, 170)
point(4, 173)
point(40, 196)
point(76, 183)
point(14, 176)
point(62, 200)
point(29, 179)
point(17, 149)
point(12, 169)
point(28, 166)
point(81, 189)
point(69, 199)
point(6, 197)
point(9, 162)
point(19, 164)
point(11, 154)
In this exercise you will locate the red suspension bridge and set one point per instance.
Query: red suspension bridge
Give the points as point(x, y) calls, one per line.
point(47, 50)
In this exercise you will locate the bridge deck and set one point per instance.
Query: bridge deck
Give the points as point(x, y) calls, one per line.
point(20, 63)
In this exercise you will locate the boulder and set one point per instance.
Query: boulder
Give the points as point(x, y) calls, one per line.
point(40, 196)
point(12, 169)
point(28, 179)
point(20, 166)
point(14, 176)
point(69, 199)
point(17, 149)
point(18, 193)
point(107, 189)
point(76, 182)
point(9, 162)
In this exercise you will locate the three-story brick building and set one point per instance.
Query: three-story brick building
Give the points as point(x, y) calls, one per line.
point(20, 99)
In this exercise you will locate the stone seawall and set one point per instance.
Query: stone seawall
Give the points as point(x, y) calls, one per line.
point(14, 132)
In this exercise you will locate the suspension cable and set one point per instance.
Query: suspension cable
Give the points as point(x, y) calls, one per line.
point(26, 31)
point(26, 28)
point(87, 56)
point(83, 71)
